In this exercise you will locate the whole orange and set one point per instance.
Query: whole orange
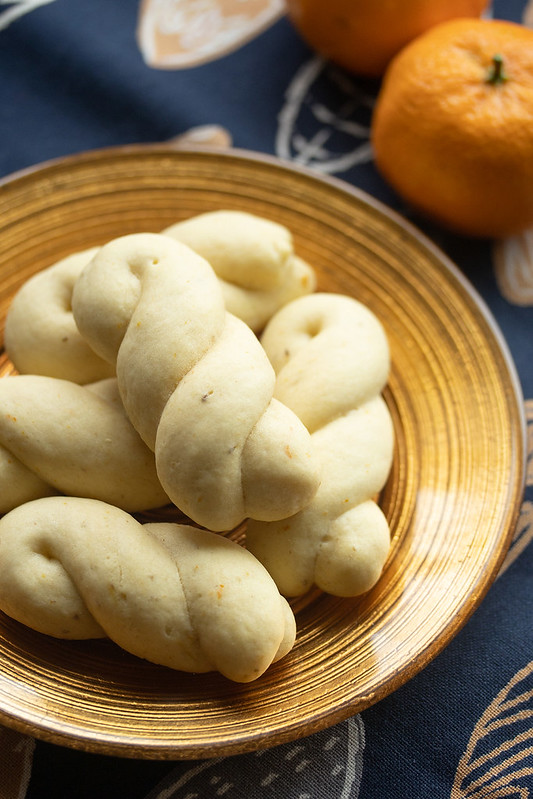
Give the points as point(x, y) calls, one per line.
point(452, 129)
point(363, 35)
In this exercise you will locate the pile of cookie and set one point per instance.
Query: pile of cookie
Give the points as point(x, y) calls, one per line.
point(197, 368)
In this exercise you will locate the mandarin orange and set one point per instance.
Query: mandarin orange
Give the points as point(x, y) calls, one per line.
point(363, 35)
point(452, 129)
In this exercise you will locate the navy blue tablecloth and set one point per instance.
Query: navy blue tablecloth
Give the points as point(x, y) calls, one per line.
point(79, 75)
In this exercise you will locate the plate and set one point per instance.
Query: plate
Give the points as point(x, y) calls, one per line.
point(453, 496)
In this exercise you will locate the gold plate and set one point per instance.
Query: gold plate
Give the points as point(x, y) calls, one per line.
point(453, 496)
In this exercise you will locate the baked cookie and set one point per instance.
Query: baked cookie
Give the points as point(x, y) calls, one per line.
point(332, 361)
point(177, 596)
point(195, 383)
point(41, 337)
point(254, 259)
point(59, 437)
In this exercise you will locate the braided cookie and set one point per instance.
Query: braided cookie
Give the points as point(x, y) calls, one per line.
point(172, 594)
point(41, 336)
point(195, 383)
point(254, 259)
point(60, 437)
point(332, 360)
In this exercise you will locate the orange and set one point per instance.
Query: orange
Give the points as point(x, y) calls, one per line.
point(452, 129)
point(363, 35)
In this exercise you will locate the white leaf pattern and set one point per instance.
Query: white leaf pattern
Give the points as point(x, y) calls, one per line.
point(513, 266)
point(325, 121)
point(498, 755)
point(291, 771)
point(203, 136)
point(17, 9)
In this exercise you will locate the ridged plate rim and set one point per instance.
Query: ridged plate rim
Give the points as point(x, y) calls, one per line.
point(290, 714)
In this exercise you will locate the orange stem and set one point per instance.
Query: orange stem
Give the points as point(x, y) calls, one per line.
point(496, 74)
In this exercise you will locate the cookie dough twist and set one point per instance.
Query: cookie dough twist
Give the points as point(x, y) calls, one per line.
point(41, 337)
point(172, 594)
point(60, 437)
point(332, 360)
point(254, 259)
point(195, 382)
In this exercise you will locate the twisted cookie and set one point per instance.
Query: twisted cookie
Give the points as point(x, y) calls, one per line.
point(57, 436)
point(254, 259)
point(174, 595)
point(41, 336)
point(195, 383)
point(332, 360)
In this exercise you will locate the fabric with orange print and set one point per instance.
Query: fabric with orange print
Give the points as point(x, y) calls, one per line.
point(90, 74)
